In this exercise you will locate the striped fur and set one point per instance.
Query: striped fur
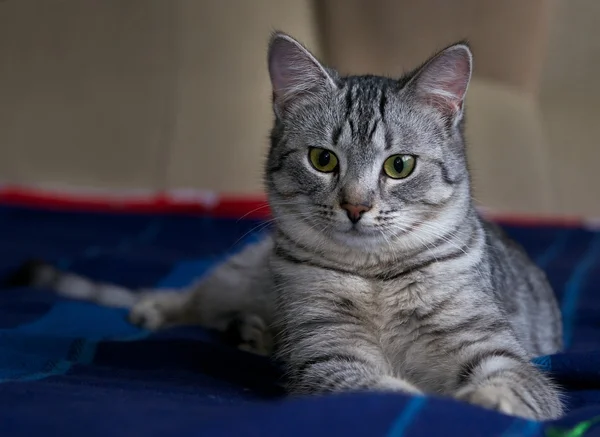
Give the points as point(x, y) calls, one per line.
point(421, 294)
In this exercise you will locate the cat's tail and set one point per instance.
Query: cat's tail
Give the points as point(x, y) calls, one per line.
point(42, 275)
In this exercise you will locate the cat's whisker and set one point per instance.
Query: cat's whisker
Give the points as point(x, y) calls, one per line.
point(265, 223)
point(448, 239)
point(252, 211)
point(256, 228)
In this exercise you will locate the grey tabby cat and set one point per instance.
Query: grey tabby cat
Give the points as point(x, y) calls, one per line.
point(379, 274)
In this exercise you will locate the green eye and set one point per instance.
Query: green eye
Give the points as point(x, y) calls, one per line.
point(323, 160)
point(399, 166)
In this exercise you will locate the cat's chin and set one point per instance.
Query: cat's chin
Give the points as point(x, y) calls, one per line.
point(359, 238)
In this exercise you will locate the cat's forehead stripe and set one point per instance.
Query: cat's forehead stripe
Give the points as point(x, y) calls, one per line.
point(365, 104)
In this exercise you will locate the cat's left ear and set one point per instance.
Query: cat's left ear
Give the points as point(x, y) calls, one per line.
point(443, 81)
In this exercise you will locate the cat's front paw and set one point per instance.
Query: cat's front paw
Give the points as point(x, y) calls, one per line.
point(250, 333)
point(499, 398)
point(393, 384)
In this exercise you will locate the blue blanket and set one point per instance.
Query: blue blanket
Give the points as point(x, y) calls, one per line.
point(72, 368)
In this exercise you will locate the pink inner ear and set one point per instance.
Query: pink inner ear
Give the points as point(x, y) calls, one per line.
point(444, 80)
point(295, 73)
point(281, 66)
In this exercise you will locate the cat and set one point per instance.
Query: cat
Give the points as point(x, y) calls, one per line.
point(379, 273)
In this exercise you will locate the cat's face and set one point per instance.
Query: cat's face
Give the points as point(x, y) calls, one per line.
point(366, 161)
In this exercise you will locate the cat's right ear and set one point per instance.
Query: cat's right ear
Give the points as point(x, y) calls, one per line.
point(295, 73)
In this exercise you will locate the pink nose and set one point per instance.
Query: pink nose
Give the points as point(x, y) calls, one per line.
point(355, 212)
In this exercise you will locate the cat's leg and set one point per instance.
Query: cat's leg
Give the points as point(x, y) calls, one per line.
point(325, 362)
point(480, 360)
point(235, 298)
point(338, 371)
point(327, 348)
point(160, 309)
point(250, 333)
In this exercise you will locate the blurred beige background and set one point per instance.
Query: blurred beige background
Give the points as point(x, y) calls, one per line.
point(156, 94)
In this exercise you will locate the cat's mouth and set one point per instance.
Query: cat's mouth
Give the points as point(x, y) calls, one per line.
point(355, 230)
point(359, 231)
point(360, 238)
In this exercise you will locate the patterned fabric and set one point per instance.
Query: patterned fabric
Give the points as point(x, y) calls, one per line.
point(72, 368)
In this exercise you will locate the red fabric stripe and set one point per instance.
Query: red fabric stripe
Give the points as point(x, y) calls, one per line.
point(227, 206)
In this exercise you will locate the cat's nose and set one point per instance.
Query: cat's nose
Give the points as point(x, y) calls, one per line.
point(354, 211)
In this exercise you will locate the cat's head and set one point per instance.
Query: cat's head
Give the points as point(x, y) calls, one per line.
point(367, 161)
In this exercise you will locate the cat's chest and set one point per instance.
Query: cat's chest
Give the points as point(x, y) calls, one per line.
point(395, 311)
point(390, 306)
